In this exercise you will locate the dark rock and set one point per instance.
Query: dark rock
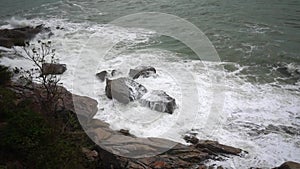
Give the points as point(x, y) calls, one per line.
point(16, 70)
point(102, 75)
point(18, 36)
point(124, 90)
point(83, 107)
point(191, 139)
point(215, 147)
point(115, 73)
point(60, 28)
point(107, 74)
point(159, 100)
point(284, 71)
point(53, 69)
point(144, 71)
point(6, 42)
point(108, 88)
point(289, 165)
point(126, 133)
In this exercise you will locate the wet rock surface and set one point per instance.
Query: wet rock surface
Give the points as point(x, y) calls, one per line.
point(18, 36)
point(124, 90)
point(159, 100)
point(255, 129)
point(102, 75)
point(141, 71)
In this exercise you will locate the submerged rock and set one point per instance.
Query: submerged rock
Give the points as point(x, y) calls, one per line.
point(53, 68)
point(18, 36)
point(159, 100)
point(144, 71)
point(124, 90)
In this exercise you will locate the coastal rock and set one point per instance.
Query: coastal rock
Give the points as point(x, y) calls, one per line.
point(108, 74)
point(102, 75)
point(84, 107)
point(95, 123)
point(115, 72)
point(18, 36)
point(53, 69)
point(144, 71)
point(124, 90)
point(215, 147)
point(191, 139)
point(176, 155)
point(289, 165)
point(125, 132)
point(159, 100)
point(281, 128)
point(112, 143)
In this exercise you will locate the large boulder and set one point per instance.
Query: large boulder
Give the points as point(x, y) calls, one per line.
point(159, 100)
point(18, 36)
point(143, 71)
point(289, 165)
point(53, 68)
point(124, 90)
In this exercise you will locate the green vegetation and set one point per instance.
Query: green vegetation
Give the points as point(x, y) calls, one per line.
point(33, 139)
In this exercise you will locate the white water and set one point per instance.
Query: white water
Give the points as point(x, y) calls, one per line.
point(247, 106)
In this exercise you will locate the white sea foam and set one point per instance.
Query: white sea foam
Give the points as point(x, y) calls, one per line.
point(247, 107)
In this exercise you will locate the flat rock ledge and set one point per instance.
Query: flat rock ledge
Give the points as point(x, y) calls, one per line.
point(153, 152)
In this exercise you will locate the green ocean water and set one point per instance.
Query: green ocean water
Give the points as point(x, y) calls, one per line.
point(261, 34)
